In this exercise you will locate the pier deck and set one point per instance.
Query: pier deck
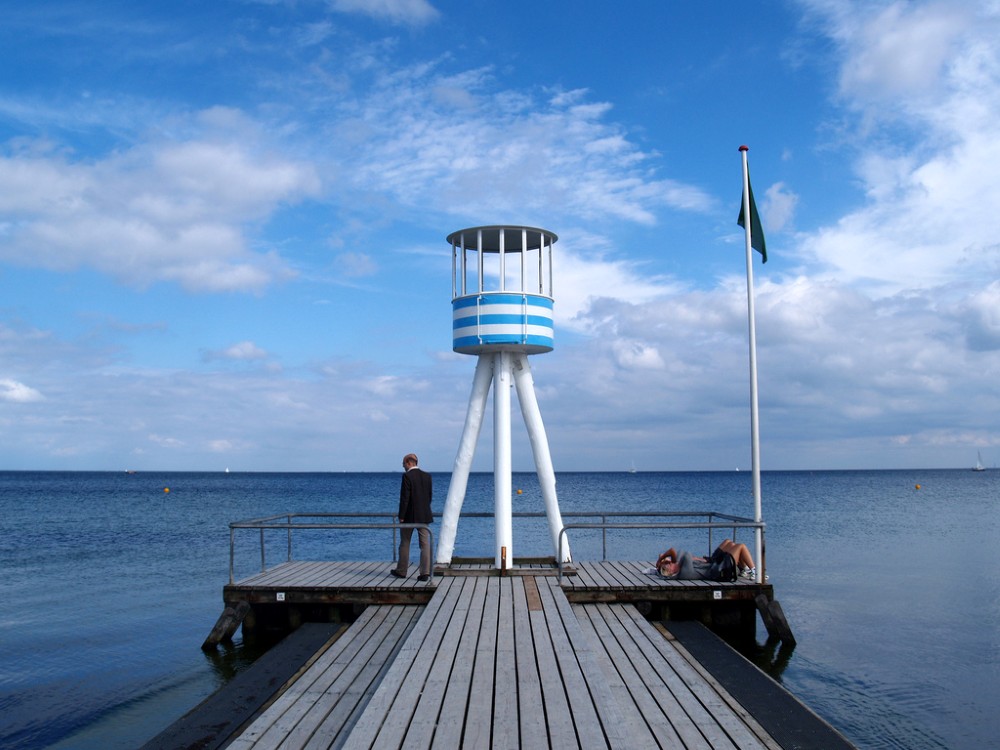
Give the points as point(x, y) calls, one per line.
point(506, 662)
point(607, 657)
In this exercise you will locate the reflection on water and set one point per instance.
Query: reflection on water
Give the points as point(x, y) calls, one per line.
point(772, 657)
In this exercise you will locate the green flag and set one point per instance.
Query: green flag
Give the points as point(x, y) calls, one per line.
point(756, 230)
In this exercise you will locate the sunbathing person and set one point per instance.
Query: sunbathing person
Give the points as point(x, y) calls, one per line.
point(684, 566)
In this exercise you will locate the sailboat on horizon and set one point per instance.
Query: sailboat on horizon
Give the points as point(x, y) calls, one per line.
point(979, 462)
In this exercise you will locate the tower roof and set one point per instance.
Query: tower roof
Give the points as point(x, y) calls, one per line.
point(512, 238)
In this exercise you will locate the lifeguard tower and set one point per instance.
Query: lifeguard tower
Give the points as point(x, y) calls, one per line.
point(501, 312)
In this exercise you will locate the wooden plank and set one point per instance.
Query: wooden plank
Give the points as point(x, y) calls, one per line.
point(478, 730)
point(666, 715)
point(717, 723)
point(637, 693)
point(399, 690)
point(634, 575)
point(344, 700)
point(270, 728)
point(597, 721)
point(530, 712)
point(432, 692)
point(219, 717)
point(610, 575)
point(532, 600)
point(456, 699)
point(558, 719)
point(707, 699)
point(338, 575)
point(596, 572)
point(721, 694)
point(616, 673)
point(505, 725)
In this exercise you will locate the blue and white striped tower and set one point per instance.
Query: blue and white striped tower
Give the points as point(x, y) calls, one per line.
point(501, 312)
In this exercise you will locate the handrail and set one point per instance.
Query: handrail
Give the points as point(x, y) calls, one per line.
point(285, 521)
point(735, 523)
point(263, 524)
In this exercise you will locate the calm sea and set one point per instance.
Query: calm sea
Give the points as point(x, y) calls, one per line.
point(109, 584)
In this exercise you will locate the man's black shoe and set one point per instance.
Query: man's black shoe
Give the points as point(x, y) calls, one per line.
point(423, 578)
point(397, 573)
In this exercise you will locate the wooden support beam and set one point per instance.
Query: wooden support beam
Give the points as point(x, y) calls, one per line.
point(774, 619)
point(226, 625)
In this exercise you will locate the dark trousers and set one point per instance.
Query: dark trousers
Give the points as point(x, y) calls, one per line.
point(424, 536)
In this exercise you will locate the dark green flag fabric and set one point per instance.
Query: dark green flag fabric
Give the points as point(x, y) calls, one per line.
point(756, 230)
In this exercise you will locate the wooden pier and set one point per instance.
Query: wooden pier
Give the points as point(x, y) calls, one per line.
point(472, 659)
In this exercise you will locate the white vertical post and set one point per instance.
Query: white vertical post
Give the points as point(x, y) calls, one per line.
point(541, 253)
point(754, 429)
point(524, 258)
point(551, 287)
point(503, 264)
point(465, 268)
point(501, 458)
point(540, 448)
point(479, 254)
point(463, 461)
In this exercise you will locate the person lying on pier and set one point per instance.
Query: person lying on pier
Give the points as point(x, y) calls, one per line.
point(684, 566)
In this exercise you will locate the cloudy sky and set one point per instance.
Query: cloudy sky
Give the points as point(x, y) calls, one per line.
point(222, 229)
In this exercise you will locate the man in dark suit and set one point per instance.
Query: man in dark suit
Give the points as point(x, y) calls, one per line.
point(414, 507)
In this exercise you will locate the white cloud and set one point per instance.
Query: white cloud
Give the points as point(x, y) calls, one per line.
point(899, 49)
point(504, 153)
point(355, 264)
point(779, 207)
point(12, 390)
point(164, 441)
point(928, 217)
point(245, 350)
point(982, 319)
point(170, 211)
point(405, 12)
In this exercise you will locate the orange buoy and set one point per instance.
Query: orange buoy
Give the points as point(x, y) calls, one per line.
point(918, 486)
point(166, 489)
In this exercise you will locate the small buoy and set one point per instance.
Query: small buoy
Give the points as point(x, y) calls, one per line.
point(519, 492)
point(917, 486)
point(166, 489)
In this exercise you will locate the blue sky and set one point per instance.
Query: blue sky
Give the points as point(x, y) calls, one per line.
point(222, 229)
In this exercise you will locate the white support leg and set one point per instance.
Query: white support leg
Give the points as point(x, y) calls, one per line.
point(463, 461)
point(501, 459)
point(540, 448)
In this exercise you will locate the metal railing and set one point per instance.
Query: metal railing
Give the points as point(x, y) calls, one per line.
point(273, 523)
point(289, 522)
point(727, 522)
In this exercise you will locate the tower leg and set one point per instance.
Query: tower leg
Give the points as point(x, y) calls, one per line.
point(463, 461)
point(501, 459)
point(540, 448)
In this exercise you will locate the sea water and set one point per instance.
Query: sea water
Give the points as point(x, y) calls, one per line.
point(111, 581)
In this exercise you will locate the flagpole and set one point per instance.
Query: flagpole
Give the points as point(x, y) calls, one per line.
point(754, 430)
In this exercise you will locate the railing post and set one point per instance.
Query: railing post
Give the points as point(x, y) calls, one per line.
point(604, 538)
point(263, 564)
point(430, 533)
point(562, 533)
point(232, 554)
point(289, 517)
